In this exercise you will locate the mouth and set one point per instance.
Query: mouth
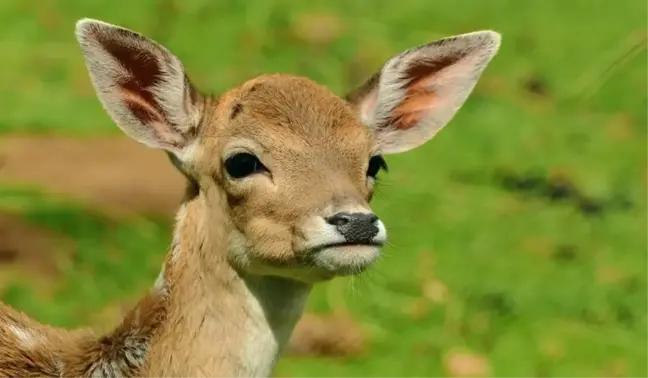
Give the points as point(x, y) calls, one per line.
point(345, 258)
point(346, 244)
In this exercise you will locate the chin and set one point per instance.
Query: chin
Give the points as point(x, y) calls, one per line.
point(346, 260)
point(317, 265)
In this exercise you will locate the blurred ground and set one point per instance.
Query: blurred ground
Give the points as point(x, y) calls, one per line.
point(518, 235)
point(31, 248)
point(113, 173)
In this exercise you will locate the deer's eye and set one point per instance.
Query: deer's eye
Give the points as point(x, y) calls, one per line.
point(243, 164)
point(376, 163)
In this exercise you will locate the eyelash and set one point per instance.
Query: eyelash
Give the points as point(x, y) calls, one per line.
point(376, 164)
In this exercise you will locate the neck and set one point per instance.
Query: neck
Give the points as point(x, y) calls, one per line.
point(217, 321)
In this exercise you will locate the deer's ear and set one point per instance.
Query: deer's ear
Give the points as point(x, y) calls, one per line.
point(418, 91)
point(142, 86)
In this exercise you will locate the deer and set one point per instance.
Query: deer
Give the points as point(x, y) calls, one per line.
point(280, 172)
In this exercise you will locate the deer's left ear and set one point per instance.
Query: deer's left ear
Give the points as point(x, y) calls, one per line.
point(418, 91)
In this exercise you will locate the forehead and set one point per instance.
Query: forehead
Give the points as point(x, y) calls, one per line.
point(296, 113)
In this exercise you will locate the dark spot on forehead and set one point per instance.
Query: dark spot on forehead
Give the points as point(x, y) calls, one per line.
point(236, 109)
point(254, 88)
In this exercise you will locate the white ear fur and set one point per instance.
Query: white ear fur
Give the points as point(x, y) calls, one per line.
point(418, 91)
point(141, 85)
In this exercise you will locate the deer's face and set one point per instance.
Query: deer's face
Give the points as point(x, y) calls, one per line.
point(294, 164)
point(298, 169)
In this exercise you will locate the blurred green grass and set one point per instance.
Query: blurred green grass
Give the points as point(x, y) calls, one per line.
point(566, 97)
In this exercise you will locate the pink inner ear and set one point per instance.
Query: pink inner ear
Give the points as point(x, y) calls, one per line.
point(143, 110)
point(418, 101)
point(144, 72)
point(420, 97)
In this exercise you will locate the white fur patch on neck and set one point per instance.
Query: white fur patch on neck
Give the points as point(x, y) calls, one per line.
point(260, 347)
point(272, 315)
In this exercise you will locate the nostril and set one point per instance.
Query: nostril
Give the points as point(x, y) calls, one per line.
point(339, 219)
point(356, 228)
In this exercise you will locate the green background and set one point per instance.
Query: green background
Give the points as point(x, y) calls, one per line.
point(534, 281)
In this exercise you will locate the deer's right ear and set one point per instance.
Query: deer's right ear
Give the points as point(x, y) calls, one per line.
point(142, 86)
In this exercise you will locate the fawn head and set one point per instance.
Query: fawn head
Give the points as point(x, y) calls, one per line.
point(294, 164)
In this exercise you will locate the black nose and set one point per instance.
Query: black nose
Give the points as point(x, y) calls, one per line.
point(355, 227)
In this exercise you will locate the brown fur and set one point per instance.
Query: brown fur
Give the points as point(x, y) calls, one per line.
point(246, 250)
point(53, 352)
